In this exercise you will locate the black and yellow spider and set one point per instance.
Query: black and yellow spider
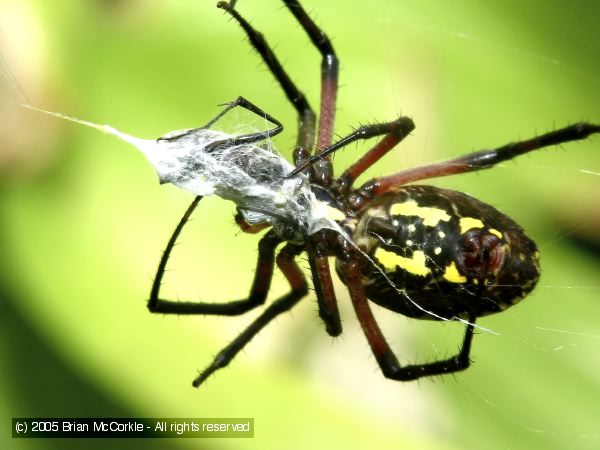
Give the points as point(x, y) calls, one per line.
point(418, 250)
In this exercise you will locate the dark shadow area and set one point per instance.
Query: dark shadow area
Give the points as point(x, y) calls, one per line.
point(585, 245)
point(585, 238)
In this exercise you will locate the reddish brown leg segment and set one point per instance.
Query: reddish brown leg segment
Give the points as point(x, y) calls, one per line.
point(323, 284)
point(484, 159)
point(400, 128)
point(404, 127)
point(322, 169)
point(383, 354)
point(306, 116)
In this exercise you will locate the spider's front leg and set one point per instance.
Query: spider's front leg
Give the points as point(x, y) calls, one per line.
point(322, 169)
point(329, 72)
point(391, 368)
point(395, 130)
point(258, 291)
point(306, 116)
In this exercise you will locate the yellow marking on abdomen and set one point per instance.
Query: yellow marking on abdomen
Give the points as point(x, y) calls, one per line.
point(453, 275)
point(496, 232)
point(466, 223)
point(431, 216)
point(415, 265)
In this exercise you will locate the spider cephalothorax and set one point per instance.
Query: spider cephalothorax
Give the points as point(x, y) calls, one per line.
point(418, 250)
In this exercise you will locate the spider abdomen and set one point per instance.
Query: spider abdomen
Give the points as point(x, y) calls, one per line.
point(436, 253)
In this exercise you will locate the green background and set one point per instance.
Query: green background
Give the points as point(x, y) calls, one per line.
point(83, 221)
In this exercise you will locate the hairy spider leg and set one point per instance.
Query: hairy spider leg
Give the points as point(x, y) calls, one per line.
point(258, 291)
point(322, 171)
point(483, 159)
point(294, 275)
point(386, 359)
point(346, 180)
point(397, 129)
point(306, 116)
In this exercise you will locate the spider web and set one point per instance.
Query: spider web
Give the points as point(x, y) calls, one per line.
point(549, 342)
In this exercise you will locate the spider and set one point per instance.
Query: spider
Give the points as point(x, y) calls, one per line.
point(418, 250)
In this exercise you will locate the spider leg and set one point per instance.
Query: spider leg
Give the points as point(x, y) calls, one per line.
point(373, 155)
point(323, 284)
point(397, 130)
point(243, 103)
point(386, 359)
point(258, 291)
point(294, 275)
point(251, 137)
point(306, 116)
point(236, 140)
point(483, 159)
point(323, 169)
